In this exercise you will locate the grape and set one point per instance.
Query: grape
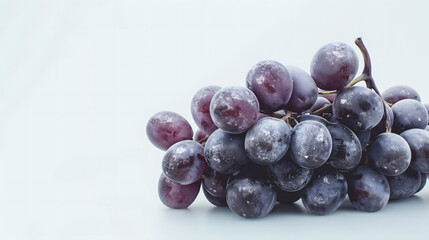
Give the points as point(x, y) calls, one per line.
point(418, 140)
point(167, 128)
point(426, 106)
point(423, 182)
point(390, 154)
point(200, 135)
point(321, 102)
point(284, 197)
point(409, 114)
point(175, 195)
point(368, 190)
point(363, 136)
point(316, 118)
point(267, 140)
point(215, 183)
point(334, 66)
point(358, 108)
point(304, 93)
point(346, 149)
point(404, 185)
point(325, 192)
point(330, 96)
point(249, 196)
point(217, 201)
point(184, 162)
point(310, 144)
point(397, 93)
point(224, 152)
point(200, 108)
point(381, 126)
point(272, 84)
point(288, 176)
point(234, 109)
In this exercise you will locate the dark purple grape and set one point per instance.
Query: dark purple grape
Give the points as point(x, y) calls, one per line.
point(272, 84)
point(284, 197)
point(390, 154)
point(358, 108)
point(330, 96)
point(418, 140)
point(234, 109)
point(325, 192)
point(224, 152)
point(368, 190)
point(363, 136)
point(200, 135)
point(249, 196)
point(304, 93)
point(316, 118)
point(381, 126)
point(267, 141)
point(409, 114)
point(167, 128)
point(217, 201)
point(311, 144)
point(321, 102)
point(346, 149)
point(175, 195)
point(424, 178)
point(200, 108)
point(288, 176)
point(404, 185)
point(334, 66)
point(397, 93)
point(184, 162)
point(215, 183)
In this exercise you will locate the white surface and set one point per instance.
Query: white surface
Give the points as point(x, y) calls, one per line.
point(80, 79)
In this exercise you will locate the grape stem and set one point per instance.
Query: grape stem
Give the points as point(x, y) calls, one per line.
point(369, 80)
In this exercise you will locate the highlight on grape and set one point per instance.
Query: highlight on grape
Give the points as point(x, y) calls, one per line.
point(291, 135)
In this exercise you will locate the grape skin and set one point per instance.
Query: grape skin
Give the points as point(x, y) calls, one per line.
point(346, 148)
point(272, 84)
point(334, 66)
point(167, 128)
point(288, 176)
point(325, 193)
point(224, 152)
point(175, 195)
point(184, 162)
point(397, 93)
point(368, 190)
point(390, 154)
point(304, 93)
point(358, 108)
point(215, 183)
point(311, 144)
point(404, 185)
point(423, 181)
point(234, 109)
point(200, 108)
point(249, 196)
point(284, 197)
point(267, 141)
point(217, 201)
point(409, 114)
point(200, 135)
point(418, 140)
point(320, 102)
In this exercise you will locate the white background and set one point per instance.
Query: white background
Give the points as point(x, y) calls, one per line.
point(80, 79)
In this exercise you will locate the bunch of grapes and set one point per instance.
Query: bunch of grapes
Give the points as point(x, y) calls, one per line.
point(291, 135)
